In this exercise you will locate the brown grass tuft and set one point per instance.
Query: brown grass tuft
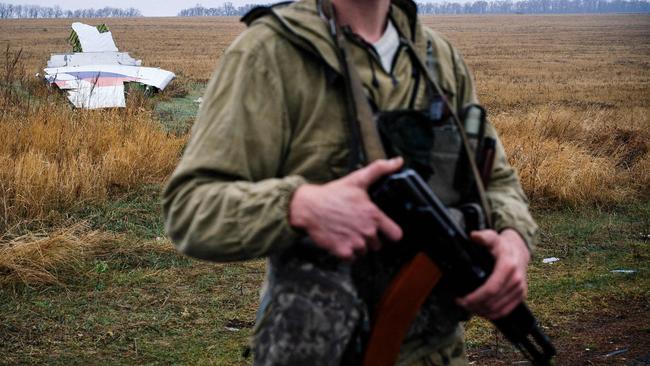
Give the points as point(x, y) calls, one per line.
point(37, 258)
point(58, 257)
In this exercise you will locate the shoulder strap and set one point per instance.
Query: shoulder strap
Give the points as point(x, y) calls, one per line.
point(365, 144)
point(461, 129)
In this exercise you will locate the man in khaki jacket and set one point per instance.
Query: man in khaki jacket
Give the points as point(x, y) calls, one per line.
point(266, 166)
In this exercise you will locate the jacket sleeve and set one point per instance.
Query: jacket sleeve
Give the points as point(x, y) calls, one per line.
point(504, 193)
point(226, 200)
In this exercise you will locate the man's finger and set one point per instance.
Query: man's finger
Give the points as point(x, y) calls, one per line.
point(505, 292)
point(506, 304)
point(487, 238)
point(488, 289)
point(366, 176)
point(389, 228)
point(508, 293)
point(346, 253)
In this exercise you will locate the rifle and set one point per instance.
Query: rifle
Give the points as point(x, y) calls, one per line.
point(448, 252)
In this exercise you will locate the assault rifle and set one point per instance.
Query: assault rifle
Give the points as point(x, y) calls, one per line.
point(444, 251)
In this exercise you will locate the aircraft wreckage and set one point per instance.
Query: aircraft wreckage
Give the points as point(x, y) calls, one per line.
point(96, 74)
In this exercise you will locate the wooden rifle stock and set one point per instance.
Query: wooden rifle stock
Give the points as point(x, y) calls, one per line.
point(398, 308)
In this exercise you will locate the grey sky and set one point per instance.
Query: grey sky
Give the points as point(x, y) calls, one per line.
point(148, 7)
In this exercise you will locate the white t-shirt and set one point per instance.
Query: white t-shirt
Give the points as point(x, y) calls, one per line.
point(387, 46)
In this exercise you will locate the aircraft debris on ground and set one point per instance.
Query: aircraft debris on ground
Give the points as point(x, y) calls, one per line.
point(97, 74)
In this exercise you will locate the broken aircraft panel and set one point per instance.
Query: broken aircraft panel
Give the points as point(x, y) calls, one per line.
point(90, 39)
point(96, 78)
point(92, 58)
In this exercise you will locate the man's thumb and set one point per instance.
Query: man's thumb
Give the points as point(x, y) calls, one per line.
point(367, 175)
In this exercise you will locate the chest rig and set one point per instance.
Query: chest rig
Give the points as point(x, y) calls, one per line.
point(318, 310)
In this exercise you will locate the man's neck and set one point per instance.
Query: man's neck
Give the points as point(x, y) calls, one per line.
point(367, 18)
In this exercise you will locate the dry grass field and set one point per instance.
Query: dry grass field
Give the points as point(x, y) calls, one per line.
point(582, 82)
point(86, 275)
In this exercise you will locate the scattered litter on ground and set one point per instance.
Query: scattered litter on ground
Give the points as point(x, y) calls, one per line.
point(617, 352)
point(95, 74)
point(550, 260)
point(623, 271)
point(231, 329)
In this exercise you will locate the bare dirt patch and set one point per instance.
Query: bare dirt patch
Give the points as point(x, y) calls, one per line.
point(618, 334)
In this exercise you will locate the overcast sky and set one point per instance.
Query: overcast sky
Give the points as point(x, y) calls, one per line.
point(148, 7)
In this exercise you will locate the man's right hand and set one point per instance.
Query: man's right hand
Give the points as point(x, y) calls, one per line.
point(340, 217)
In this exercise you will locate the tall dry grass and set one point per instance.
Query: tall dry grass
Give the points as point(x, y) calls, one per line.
point(577, 157)
point(54, 158)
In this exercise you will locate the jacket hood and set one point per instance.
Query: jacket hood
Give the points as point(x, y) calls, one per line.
point(301, 23)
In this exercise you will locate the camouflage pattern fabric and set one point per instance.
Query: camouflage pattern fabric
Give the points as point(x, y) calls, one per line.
point(311, 318)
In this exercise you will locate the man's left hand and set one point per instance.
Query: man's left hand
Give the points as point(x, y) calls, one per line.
point(507, 286)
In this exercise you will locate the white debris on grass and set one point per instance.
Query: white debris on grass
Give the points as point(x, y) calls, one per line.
point(95, 78)
point(550, 260)
point(616, 352)
point(623, 271)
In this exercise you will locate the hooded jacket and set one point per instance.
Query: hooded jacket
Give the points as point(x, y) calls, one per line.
point(273, 118)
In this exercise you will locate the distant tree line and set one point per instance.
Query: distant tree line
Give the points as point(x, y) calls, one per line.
point(10, 11)
point(537, 7)
point(227, 9)
point(476, 7)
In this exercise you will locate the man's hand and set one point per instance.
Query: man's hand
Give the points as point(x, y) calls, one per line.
point(339, 215)
point(507, 287)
